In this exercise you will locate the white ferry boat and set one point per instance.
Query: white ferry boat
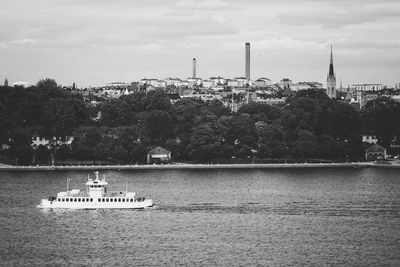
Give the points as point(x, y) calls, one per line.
point(95, 197)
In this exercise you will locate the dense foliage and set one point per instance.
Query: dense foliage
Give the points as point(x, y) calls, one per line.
point(308, 126)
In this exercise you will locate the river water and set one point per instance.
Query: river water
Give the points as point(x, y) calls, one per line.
point(215, 217)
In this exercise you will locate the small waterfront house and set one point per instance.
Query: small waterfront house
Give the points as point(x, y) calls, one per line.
point(158, 155)
point(369, 138)
point(375, 152)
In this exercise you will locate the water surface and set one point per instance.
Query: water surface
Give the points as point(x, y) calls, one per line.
point(210, 217)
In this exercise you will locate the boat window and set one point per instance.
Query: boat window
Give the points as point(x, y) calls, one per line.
point(99, 200)
point(107, 200)
point(75, 200)
point(79, 200)
point(131, 199)
point(119, 200)
point(91, 200)
point(66, 199)
point(123, 200)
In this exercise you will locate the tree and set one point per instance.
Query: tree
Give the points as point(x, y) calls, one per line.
point(63, 152)
point(20, 146)
point(244, 152)
point(203, 143)
point(242, 131)
point(156, 100)
point(306, 146)
point(61, 116)
point(158, 126)
point(88, 145)
point(4, 124)
point(382, 117)
point(42, 154)
point(48, 87)
point(137, 153)
point(271, 141)
point(261, 112)
point(215, 108)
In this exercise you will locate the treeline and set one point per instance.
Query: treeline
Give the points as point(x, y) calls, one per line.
point(308, 126)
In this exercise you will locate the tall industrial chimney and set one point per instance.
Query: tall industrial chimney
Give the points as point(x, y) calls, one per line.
point(194, 68)
point(247, 59)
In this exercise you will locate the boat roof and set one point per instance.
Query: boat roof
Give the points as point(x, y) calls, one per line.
point(96, 182)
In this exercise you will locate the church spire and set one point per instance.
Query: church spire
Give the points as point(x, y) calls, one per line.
point(331, 70)
point(331, 79)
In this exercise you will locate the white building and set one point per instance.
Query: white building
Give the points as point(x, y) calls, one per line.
point(39, 140)
point(218, 80)
point(118, 85)
point(194, 82)
point(232, 83)
point(242, 81)
point(370, 139)
point(300, 86)
point(270, 101)
point(286, 83)
point(262, 82)
point(22, 84)
point(208, 83)
point(367, 87)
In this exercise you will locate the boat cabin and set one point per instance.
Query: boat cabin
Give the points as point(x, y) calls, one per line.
point(96, 187)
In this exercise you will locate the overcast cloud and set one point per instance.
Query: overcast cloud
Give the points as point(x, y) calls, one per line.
point(92, 42)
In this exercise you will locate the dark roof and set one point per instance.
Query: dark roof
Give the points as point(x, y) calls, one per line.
point(375, 148)
point(174, 96)
point(159, 150)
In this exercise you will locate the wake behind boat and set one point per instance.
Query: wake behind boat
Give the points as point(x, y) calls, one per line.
point(95, 197)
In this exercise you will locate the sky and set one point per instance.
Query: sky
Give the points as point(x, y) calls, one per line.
point(94, 42)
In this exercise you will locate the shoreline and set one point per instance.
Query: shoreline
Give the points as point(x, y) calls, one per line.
point(199, 166)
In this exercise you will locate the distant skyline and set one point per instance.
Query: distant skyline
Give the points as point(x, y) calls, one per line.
point(93, 42)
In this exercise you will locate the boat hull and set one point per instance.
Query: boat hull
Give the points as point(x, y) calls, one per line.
point(47, 204)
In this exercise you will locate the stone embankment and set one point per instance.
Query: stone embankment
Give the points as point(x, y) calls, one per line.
point(197, 166)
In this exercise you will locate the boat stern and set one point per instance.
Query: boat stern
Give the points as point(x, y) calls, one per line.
point(148, 203)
